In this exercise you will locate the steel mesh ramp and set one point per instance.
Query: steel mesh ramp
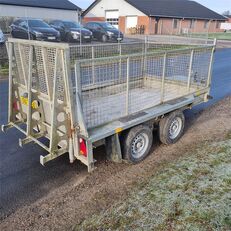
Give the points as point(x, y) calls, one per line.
point(39, 97)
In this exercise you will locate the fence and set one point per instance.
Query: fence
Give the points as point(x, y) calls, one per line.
point(3, 55)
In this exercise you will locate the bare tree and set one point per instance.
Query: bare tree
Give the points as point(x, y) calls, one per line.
point(227, 12)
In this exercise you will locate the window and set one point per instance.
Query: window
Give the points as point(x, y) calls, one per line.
point(96, 26)
point(113, 21)
point(218, 25)
point(192, 23)
point(70, 24)
point(112, 17)
point(23, 24)
point(175, 23)
point(37, 23)
point(90, 25)
point(206, 25)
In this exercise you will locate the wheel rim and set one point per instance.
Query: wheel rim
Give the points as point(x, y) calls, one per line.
point(104, 38)
point(139, 145)
point(175, 128)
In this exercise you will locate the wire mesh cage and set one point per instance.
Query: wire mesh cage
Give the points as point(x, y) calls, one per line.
point(118, 86)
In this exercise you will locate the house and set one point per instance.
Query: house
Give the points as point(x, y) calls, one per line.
point(43, 9)
point(229, 18)
point(156, 16)
point(227, 25)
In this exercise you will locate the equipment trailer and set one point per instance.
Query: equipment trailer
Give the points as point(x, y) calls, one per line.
point(81, 97)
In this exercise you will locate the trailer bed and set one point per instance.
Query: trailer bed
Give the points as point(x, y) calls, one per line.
point(96, 111)
point(101, 132)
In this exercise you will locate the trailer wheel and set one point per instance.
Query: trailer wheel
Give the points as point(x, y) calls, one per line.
point(171, 127)
point(137, 144)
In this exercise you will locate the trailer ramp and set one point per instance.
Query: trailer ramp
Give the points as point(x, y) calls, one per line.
point(39, 100)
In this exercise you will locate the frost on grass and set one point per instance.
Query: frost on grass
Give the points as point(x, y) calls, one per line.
point(193, 193)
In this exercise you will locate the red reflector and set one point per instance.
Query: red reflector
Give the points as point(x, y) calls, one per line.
point(15, 106)
point(83, 147)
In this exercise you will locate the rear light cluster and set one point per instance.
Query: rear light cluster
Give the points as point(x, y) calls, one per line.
point(82, 147)
point(15, 106)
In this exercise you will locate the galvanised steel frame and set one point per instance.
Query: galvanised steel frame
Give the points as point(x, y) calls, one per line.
point(50, 93)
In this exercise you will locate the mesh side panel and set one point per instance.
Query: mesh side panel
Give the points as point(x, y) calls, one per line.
point(200, 69)
point(115, 87)
point(81, 52)
point(18, 65)
point(154, 66)
point(42, 86)
point(98, 100)
point(43, 68)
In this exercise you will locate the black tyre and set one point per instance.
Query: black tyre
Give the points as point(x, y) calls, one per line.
point(69, 38)
point(32, 37)
point(104, 38)
point(171, 127)
point(137, 144)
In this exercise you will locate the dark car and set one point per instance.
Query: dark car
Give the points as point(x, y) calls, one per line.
point(35, 29)
point(104, 31)
point(71, 31)
point(2, 37)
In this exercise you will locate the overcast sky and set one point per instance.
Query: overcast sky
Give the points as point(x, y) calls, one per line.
point(217, 5)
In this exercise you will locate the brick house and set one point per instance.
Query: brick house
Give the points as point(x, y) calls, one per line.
point(229, 18)
point(155, 16)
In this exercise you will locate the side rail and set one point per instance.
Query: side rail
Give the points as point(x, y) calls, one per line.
point(40, 102)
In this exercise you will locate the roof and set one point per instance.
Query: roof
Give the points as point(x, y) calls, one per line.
point(170, 9)
point(52, 4)
point(175, 8)
point(91, 7)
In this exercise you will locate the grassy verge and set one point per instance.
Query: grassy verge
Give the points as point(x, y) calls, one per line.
point(219, 36)
point(194, 193)
point(4, 70)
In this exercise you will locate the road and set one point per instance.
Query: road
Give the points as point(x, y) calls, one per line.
point(23, 180)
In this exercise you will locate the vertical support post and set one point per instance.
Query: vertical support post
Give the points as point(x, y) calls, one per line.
point(127, 92)
point(10, 96)
point(120, 64)
point(78, 80)
point(29, 86)
point(48, 81)
point(190, 70)
point(145, 56)
point(22, 64)
point(163, 78)
point(90, 159)
point(78, 97)
point(73, 138)
point(54, 103)
point(211, 64)
point(93, 64)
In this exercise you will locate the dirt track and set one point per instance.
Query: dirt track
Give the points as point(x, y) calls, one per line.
point(90, 193)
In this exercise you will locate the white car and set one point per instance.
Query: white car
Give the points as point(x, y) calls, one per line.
point(2, 37)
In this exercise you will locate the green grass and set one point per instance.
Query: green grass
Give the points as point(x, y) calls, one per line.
point(4, 70)
point(219, 36)
point(194, 193)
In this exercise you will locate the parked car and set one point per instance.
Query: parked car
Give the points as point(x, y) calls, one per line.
point(35, 29)
point(104, 31)
point(71, 31)
point(2, 38)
